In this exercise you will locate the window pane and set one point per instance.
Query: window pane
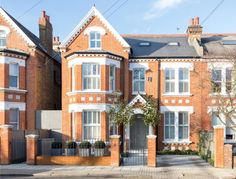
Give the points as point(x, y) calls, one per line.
point(141, 86)
point(142, 75)
point(180, 132)
point(167, 132)
point(92, 44)
point(216, 75)
point(14, 118)
point(92, 35)
point(172, 132)
point(172, 118)
point(183, 74)
point(136, 74)
point(3, 38)
point(13, 81)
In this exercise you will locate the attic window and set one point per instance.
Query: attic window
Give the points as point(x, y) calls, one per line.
point(173, 43)
point(229, 42)
point(144, 44)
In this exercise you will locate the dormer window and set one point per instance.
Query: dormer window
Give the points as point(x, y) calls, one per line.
point(95, 40)
point(3, 36)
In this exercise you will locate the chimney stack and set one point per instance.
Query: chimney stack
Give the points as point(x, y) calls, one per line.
point(194, 29)
point(56, 43)
point(45, 31)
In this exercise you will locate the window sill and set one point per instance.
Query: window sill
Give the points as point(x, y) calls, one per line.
point(177, 142)
point(92, 91)
point(221, 94)
point(14, 89)
point(177, 94)
point(142, 93)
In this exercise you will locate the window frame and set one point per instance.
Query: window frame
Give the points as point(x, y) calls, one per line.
point(169, 125)
point(138, 80)
point(18, 118)
point(184, 81)
point(96, 40)
point(183, 125)
point(3, 38)
point(18, 76)
point(113, 87)
point(170, 80)
point(92, 125)
point(91, 76)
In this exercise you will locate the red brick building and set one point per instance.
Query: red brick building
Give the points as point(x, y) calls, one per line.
point(98, 64)
point(30, 72)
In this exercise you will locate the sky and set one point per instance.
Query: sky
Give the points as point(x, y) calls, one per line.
point(127, 16)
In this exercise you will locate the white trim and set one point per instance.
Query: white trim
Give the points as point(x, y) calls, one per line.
point(136, 99)
point(80, 107)
point(91, 91)
point(177, 108)
point(188, 65)
point(101, 30)
point(221, 65)
point(101, 61)
point(93, 12)
point(137, 111)
point(13, 24)
point(138, 65)
point(5, 28)
point(6, 105)
point(13, 90)
point(8, 60)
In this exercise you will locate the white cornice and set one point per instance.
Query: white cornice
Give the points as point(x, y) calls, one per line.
point(92, 13)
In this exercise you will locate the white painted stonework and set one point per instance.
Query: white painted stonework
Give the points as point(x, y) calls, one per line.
point(8, 60)
point(188, 65)
point(80, 107)
point(138, 65)
point(5, 105)
point(177, 108)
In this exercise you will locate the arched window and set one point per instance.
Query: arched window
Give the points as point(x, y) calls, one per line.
point(3, 36)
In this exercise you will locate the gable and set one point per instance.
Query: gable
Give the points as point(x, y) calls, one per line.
point(93, 13)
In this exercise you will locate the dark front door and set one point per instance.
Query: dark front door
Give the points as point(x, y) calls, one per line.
point(138, 133)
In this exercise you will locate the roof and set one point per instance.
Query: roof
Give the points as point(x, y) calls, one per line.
point(31, 39)
point(160, 47)
point(214, 45)
point(93, 12)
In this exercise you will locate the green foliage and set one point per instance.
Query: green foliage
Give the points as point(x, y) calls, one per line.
point(151, 115)
point(120, 113)
point(71, 145)
point(85, 145)
point(56, 145)
point(99, 145)
point(177, 152)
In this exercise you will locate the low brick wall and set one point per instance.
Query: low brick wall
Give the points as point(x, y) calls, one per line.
point(73, 160)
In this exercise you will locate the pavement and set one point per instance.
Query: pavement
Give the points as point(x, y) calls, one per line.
point(169, 167)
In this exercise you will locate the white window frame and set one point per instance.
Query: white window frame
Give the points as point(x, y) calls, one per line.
point(138, 80)
point(92, 125)
point(73, 78)
point(183, 125)
point(3, 36)
point(18, 118)
point(170, 80)
point(168, 125)
point(92, 76)
point(95, 40)
point(18, 75)
point(183, 80)
point(176, 123)
point(112, 78)
point(73, 125)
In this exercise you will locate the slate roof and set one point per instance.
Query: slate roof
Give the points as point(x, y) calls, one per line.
point(34, 39)
point(214, 46)
point(159, 46)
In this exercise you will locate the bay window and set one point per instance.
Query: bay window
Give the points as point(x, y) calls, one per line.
point(176, 126)
point(13, 75)
point(91, 125)
point(139, 80)
point(91, 76)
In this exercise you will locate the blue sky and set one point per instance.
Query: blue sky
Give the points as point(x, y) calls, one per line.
point(135, 16)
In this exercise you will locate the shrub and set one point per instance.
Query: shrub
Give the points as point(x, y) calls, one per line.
point(71, 145)
point(85, 145)
point(56, 145)
point(177, 152)
point(99, 145)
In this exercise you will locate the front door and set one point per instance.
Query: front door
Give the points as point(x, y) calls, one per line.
point(138, 133)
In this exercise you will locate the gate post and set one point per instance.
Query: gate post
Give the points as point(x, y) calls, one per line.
point(218, 146)
point(31, 149)
point(115, 150)
point(6, 140)
point(152, 156)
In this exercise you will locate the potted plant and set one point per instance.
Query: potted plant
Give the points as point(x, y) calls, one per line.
point(70, 148)
point(84, 149)
point(99, 148)
point(56, 148)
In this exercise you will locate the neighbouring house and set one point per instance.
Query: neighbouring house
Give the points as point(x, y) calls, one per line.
point(99, 64)
point(30, 77)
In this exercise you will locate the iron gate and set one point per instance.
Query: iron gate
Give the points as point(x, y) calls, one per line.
point(134, 157)
point(18, 146)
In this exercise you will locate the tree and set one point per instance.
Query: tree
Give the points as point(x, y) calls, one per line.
point(151, 114)
point(120, 113)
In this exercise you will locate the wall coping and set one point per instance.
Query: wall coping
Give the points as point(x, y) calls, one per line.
point(218, 127)
point(34, 136)
point(115, 136)
point(6, 126)
point(151, 136)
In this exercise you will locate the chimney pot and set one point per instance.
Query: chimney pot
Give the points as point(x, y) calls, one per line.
point(58, 39)
point(191, 21)
point(43, 13)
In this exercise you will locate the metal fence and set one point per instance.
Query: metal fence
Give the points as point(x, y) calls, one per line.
point(134, 157)
point(18, 146)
